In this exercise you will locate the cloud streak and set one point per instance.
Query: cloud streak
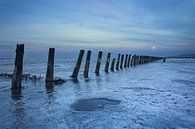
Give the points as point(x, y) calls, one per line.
point(100, 23)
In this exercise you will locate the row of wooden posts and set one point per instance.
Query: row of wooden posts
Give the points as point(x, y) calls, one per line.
point(122, 61)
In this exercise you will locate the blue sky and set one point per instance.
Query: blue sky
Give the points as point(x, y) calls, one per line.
point(143, 25)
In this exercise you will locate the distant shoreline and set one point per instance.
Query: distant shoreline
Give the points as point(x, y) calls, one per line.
point(184, 56)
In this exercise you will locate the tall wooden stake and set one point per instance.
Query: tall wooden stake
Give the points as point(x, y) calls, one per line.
point(98, 63)
point(50, 65)
point(18, 70)
point(107, 63)
point(86, 70)
point(78, 64)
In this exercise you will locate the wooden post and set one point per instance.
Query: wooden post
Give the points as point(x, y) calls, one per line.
point(132, 58)
point(50, 65)
point(18, 70)
point(129, 59)
point(78, 64)
point(112, 65)
point(107, 63)
point(143, 60)
point(149, 60)
point(86, 70)
point(118, 61)
point(16, 94)
point(49, 87)
point(98, 63)
point(140, 59)
point(164, 59)
point(121, 65)
point(126, 57)
point(135, 60)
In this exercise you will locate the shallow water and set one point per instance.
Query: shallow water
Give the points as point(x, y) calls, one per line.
point(152, 96)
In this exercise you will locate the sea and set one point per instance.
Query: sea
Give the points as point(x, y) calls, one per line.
point(157, 95)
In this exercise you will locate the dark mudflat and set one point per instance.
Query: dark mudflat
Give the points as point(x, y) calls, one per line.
point(93, 104)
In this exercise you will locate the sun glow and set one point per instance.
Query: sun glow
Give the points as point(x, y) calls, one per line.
point(153, 47)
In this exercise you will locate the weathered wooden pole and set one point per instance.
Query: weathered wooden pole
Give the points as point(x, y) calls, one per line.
point(136, 59)
point(121, 65)
point(144, 59)
point(86, 69)
point(164, 59)
point(49, 87)
point(126, 57)
point(97, 69)
point(140, 59)
point(132, 60)
point(150, 60)
point(50, 65)
point(112, 65)
point(129, 59)
point(118, 61)
point(107, 63)
point(78, 64)
point(18, 70)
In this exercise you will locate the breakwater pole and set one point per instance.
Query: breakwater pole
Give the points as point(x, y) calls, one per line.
point(50, 66)
point(126, 58)
point(107, 62)
point(97, 69)
point(121, 64)
point(112, 65)
point(129, 59)
point(137, 60)
point(18, 70)
point(132, 60)
point(86, 69)
point(118, 61)
point(164, 59)
point(78, 64)
point(144, 59)
point(140, 59)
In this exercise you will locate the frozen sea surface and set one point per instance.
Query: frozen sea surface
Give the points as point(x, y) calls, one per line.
point(150, 96)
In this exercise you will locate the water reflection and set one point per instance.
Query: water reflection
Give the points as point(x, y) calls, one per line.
point(77, 89)
point(107, 78)
point(86, 80)
point(75, 81)
point(49, 87)
point(19, 108)
point(49, 90)
point(16, 94)
point(98, 82)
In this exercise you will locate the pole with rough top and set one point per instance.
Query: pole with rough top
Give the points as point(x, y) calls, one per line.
point(50, 65)
point(86, 69)
point(18, 70)
point(107, 62)
point(98, 63)
point(78, 64)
